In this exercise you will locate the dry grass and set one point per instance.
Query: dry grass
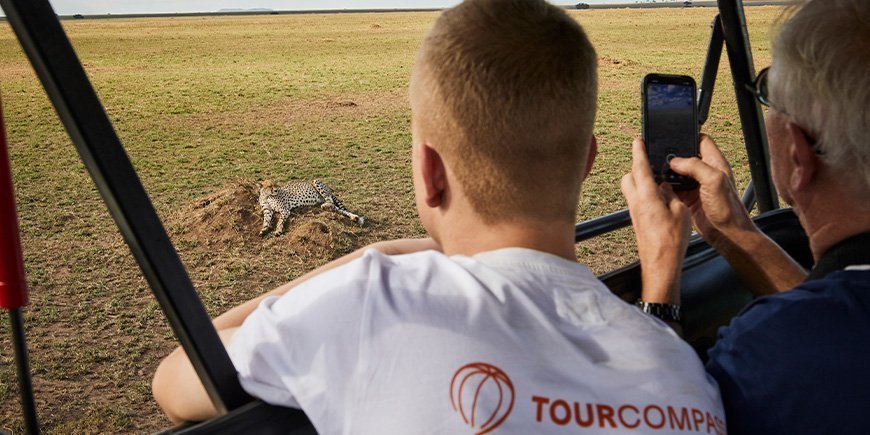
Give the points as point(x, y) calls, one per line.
point(205, 106)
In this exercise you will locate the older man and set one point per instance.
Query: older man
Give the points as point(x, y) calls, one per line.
point(794, 361)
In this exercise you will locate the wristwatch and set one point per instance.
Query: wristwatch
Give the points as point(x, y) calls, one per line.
point(666, 312)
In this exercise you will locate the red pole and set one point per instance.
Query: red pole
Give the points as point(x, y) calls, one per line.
point(13, 288)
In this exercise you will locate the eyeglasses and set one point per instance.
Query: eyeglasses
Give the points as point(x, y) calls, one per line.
point(759, 88)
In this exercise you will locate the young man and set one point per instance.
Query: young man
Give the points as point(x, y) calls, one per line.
point(794, 361)
point(491, 323)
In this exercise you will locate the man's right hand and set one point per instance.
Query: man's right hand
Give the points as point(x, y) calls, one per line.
point(721, 219)
point(717, 212)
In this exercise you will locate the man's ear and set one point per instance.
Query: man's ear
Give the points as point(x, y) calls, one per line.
point(590, 157)
point(804, 158)
point(433, 175)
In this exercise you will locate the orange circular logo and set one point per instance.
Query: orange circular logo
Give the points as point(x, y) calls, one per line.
point(483, 395)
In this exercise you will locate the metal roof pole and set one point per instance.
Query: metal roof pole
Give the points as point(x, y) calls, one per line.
point(711, 69)
point(743, 72)
point(99, 147)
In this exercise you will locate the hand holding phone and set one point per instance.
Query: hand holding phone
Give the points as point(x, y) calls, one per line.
point(670, 125)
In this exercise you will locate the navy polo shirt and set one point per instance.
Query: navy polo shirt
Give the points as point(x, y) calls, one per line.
point(798, 362)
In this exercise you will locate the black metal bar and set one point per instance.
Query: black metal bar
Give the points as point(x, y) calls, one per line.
point(28, 405)
point(81, 112)
point(748, 199)
point(743, 72)
point(711, 70)
point(604, 224)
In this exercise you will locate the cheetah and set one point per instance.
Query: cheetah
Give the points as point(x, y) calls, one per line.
point(284, 199)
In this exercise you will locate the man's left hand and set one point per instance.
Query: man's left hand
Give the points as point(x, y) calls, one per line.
point(662, 224)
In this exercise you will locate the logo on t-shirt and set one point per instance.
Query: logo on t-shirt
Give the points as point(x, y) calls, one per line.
point(483, 395)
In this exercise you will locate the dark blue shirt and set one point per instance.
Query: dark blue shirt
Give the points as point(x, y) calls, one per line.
point(798, 362)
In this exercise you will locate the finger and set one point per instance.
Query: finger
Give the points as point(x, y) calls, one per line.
point(697, 169)
point(712, 155)
point(669, 196)
point(627, 187)
point(681, 212)
point(688, 197)
point(640, 170)
point(674, 203)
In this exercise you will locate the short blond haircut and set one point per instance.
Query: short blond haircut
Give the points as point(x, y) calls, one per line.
point(507, 91)
point(821, 78)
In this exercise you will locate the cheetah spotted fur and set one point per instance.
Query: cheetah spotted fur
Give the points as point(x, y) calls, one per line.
point(284, 199)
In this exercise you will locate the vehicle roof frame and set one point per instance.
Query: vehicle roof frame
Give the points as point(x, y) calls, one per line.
point(53, 58)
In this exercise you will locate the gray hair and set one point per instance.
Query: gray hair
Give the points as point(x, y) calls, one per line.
point(821, 79)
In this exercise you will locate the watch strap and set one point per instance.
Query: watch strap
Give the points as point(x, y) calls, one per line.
point(666, 312)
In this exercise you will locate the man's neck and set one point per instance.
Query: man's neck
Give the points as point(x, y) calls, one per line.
point(830, 219)
point(473, 236)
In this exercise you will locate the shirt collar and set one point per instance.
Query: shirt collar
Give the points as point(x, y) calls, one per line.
point(852, 251)
point(530, 259)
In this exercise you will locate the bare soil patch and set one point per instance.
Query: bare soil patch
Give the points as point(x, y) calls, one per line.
point(345, 103)
point(607, 61)
point(230, 218)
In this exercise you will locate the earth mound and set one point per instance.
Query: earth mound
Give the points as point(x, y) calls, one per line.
point(230, 218)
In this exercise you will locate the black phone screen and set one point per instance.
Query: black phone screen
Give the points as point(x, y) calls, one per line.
point(670, 125)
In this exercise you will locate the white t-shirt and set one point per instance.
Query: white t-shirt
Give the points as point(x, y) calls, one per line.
point(508, 341)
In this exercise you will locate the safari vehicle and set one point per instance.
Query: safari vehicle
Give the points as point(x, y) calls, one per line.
point(712, 293)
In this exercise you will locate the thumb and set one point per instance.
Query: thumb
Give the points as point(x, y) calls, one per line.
point(695, 168)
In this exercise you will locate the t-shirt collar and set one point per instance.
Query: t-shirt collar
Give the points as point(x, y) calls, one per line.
point(531, 259)
point(852, 251)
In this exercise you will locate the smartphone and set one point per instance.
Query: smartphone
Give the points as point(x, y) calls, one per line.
point(669, 110)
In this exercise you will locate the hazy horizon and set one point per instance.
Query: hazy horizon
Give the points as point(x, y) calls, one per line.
point(98, 7)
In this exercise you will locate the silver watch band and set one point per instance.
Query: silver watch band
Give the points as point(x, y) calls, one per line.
point(666, 312)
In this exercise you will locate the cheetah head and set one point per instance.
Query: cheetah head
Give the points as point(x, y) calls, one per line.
point(265, 185)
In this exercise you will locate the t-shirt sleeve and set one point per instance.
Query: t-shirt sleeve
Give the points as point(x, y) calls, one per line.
point(293, 349)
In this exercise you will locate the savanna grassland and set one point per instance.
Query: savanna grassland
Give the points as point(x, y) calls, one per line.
point(205, 106)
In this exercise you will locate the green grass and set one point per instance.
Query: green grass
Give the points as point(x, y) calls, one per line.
point(201, 103)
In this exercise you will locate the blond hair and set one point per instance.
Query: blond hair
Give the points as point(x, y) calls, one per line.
point(821, 78)
point(507, 89)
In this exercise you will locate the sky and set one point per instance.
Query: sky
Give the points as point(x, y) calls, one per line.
point(70, 7)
